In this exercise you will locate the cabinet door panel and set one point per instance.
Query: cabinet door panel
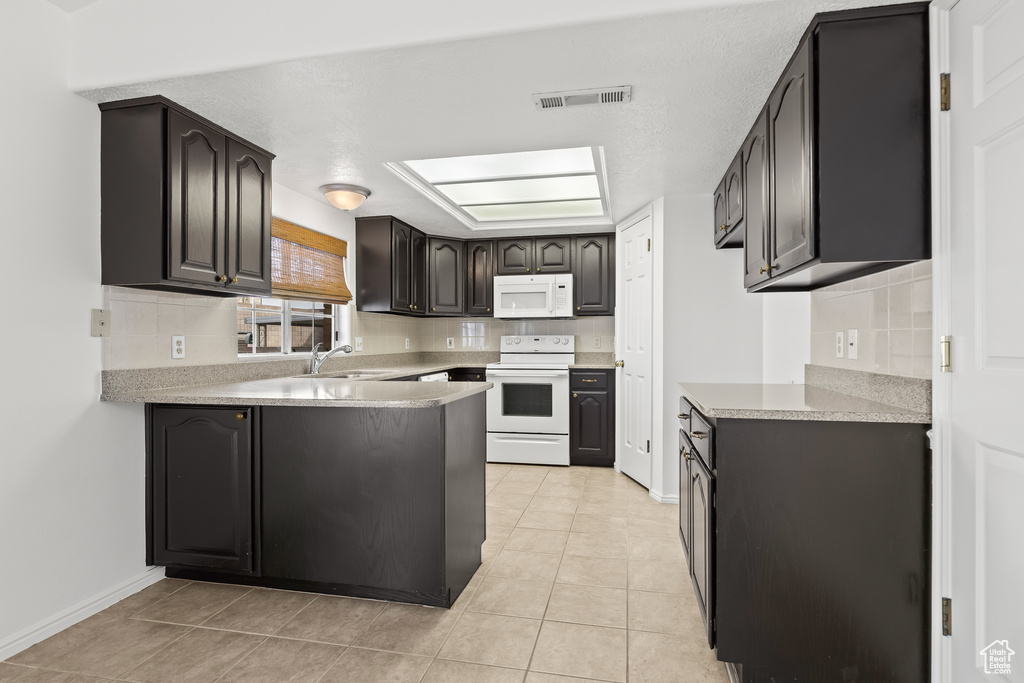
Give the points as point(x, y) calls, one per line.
point(196, 231)
point(446, 272)
point(702, 540)
point(734, 192)
point(248, 218)
point(721, 210)
point(418, 272)
point(202, 488)
point(593, 275)
point(480, 277)
point(401, 261)
point(515, 257)
point(755, 189)
point(792, 230)
point(552, 254)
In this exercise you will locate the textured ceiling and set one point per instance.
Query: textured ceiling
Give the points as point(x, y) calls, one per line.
point(72, 6)
point(699, 79)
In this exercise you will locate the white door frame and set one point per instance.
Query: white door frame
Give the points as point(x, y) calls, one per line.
point(942, 303)
point(656, 210)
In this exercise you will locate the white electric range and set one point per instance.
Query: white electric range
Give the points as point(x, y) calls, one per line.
point(528, 406)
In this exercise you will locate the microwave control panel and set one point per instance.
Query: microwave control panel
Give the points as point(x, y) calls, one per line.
point(561, 298)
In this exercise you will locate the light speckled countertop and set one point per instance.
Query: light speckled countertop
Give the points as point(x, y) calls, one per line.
point(791, 402)
point(327, 389)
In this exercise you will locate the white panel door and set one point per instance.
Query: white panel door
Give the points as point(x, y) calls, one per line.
point(986, 127)
point(633, 345)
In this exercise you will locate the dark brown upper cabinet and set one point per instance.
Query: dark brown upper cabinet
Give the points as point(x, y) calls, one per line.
point(594, 274)
point(186, 205)
point(721, 212)
point(755, 189)
point(391, 266)
point(848, 153)
point(480, 277)
point(202, 487)
point(446, 276)
point(552, 255)
point(732, 234)
point(514, 257)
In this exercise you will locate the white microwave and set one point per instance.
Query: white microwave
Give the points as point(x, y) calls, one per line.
point(533, 296)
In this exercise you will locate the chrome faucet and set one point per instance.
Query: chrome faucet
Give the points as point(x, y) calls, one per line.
point(315, 362)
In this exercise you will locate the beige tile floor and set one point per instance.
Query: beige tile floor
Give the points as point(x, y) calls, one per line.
point(583, 579)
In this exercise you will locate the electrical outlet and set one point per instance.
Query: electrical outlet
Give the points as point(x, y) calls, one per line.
point(359, 343)
point(851, 344)
point(406, 343)
point(840, 347)
point(451, 342)
point(178, 346)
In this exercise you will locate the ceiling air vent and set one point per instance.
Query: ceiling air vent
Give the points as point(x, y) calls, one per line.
point(580, 98)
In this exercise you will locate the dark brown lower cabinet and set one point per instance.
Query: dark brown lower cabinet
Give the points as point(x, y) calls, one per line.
point(384, 503)
point(201, 472)
point(809, 547)
point(592, 417)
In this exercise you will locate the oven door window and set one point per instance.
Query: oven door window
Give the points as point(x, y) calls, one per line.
point(526, 400)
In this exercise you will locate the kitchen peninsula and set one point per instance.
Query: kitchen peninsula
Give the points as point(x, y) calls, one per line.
point(333, 483)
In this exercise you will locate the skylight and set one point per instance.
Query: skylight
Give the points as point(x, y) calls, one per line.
point(545, 188)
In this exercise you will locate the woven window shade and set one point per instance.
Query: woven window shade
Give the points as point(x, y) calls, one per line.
point(307, 265)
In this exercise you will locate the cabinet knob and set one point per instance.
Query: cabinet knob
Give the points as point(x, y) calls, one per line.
point(575, 395)
point(764, 269)
point(722, 226)
point(223, 278)
point(538, 270)
point(234, 280)
point(488, 310)
point(579, 308)
point(699, 435)
point(433, 308)
point(239, 416)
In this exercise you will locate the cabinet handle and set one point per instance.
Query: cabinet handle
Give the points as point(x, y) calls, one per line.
point(722, 226)
point(686, 456)
point(575, 395)
point(590, 380)
point(684, 416)
point(699, 435)
point(234, 280)
point(223, 278)
point(764, 269)
point(239, 416)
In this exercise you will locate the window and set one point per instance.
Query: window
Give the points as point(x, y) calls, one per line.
point(268, 325)
point(310, 297)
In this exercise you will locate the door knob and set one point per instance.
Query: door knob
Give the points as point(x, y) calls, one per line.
point(620, 363)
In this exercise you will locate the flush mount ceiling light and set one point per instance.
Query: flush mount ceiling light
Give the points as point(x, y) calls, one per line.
point(537, 189)
point(345, 197)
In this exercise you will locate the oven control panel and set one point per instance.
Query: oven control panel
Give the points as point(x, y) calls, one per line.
point(539, 343)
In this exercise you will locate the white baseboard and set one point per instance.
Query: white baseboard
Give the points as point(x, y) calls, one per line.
point(42, 630)
point(662, 498)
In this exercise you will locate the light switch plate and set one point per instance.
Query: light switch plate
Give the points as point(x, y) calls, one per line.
point(851, 344)
point(100, 322)
point(359, 343)
point(178, 346)
point(451, 342)
point(840, 346)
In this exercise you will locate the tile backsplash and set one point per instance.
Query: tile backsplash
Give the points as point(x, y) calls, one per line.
point(892, 312)
point(142, 323)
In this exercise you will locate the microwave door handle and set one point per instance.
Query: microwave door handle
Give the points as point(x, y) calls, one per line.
point(552, 288)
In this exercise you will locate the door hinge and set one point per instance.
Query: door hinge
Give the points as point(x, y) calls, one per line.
point(648, 244)
point(648, 445)
point(945, 354)
point(947, 617)
point(944, 92)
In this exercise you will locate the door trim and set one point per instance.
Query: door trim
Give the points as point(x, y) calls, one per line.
point(656, 212)
point(942, 302)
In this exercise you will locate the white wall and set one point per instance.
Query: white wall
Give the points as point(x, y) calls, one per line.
point(787, 336)
point(712, 328)
point(71, 468)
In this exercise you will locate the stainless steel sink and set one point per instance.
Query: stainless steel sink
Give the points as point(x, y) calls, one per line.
point(352, 374)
